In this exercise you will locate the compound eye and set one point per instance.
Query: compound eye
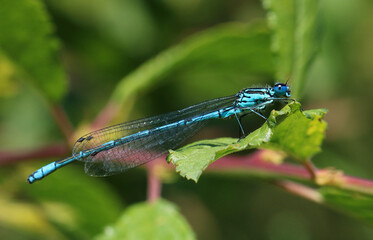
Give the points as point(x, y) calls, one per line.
point(281, 89)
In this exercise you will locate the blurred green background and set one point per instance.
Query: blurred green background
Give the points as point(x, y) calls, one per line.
point(103, 41)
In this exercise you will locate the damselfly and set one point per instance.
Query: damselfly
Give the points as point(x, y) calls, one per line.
point(124, 146)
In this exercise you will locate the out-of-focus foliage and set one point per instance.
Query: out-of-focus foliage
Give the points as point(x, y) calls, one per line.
point(221, 51)
point(158, 220)
point(68, 205)
point(26, 41)
point(134, 39)
point(296, 38)
point(298, 134)
point(352, 203)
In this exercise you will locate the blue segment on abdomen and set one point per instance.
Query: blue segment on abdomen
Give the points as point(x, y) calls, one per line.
point(211, 115)
point(42, 172)
point(48, 169)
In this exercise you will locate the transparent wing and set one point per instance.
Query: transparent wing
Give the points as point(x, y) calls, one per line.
point(139, 151)
point(146, 148)
point(99, 137)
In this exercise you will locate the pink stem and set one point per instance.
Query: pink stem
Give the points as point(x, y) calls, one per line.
point(55, 150)
point(300, 190)
point(255, 164)
point(105, 116)
point(310, 168)
point(357, 184)
point(154, 183)
point(62, 121)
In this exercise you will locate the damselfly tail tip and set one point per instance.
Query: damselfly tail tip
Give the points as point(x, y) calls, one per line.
point(35, 176)
point(31, 179)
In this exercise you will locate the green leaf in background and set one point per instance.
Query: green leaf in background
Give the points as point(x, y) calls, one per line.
point(68, 205)
point(290, 130)
point(127, 23)
point(22, 217)
point(8, 85)
point(353, 203)
point(26, 40)
point(158, 220)
point(295, 38)
point(234, 49)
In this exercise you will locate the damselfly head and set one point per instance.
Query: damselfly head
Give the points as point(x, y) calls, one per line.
point(282, 90)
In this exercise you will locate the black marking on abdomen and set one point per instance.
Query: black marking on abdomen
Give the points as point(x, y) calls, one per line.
point(116, 142)
point(94, 153)
point(255, 92)
point(187, 121)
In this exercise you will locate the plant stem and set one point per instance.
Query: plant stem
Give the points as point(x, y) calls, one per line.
point(154, 183)
point(310, 168)
point(105, 116)
point(110, 111)
point(55, 150)
point(300, 190)
point(62, 121)
point(255, 166)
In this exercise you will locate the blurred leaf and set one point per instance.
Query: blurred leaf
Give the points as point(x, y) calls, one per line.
point(231, 48)
point(126, 23)
point(295, 39)
point(354, 204)
point(289, 130)
point(34, 129)
point(26, 40)
point(158, 220)
point(24, 217)
point(77, 204)
point(8, 86)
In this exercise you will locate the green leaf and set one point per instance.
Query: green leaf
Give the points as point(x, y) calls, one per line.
point(352, 203)
point(192, 159)
point(299, 134)
point(233, 49)
point(295, 38)
point(132, 27)
point(75, 204)
point(289, 130)
point(158, 220)
point(26, 40)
